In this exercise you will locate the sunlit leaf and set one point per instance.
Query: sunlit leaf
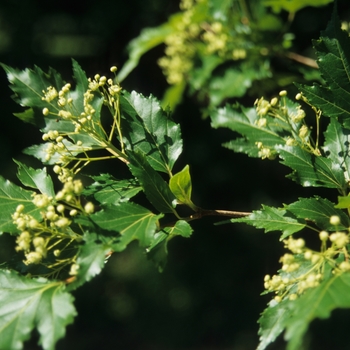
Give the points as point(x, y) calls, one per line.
point(11, 196)
point(108, 190)
point(310, 170)
point(181, 186)
point(318, 210)
point(150, 130)
point(272, 219)
point(131, 221)
point(35, 178)
point(26, 304)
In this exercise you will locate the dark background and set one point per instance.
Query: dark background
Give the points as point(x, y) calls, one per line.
point(208, 295)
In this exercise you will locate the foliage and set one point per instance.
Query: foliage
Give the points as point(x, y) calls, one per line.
point(65, 229)
point(221, 49)
point(310, 283)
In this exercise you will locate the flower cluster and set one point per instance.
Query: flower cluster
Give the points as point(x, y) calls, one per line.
point(63, 147)
point(195, 36)
point(283, 117)
point(51, 231)
point(304, 268)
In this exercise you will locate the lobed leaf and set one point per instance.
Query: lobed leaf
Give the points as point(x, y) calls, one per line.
point(333, 54)
point(149, 129)
point(318, 210)
point(273, 322)
point(28, 85)
point(108, 190)
point(310, 170)
point(11, 196)
point(318, 302)
point(244, 121)
point(131, 221)
point(35, 178)
point(155, 188)
point(26, 304)
point(272, 219)
point(336, 146)
point(92, 257)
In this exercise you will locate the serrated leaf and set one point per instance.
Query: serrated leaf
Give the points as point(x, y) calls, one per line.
point(318, 210)
point(273, 322)
point(131, 221)
point(40, 152)
point(310, 170)
point(244, 121)
point(155, 188)
point(35, 178)
point(337, 146)
point(11, 196)
point(333, 54)
point(29, 85)
point(317, 302)
point(26, 304)
point(181, 186)
point(242, 145)
point(272, 219)
point(27, 116)
point(108, 190)
point(91, 258)
point(149, 129)
point(158, 250)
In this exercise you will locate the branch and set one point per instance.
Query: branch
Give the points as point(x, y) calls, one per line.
point(302, 59)
point(204, 212)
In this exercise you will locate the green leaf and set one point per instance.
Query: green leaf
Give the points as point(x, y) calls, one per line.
point(181, 186)
point(92, 257)
point(310, 170)
point(26, 304)
point(236, 81)
point(149, 129)
point(28, 85)
point(333, 52)
point(11, 196)
point(35, 178)
point(273, 322)
point(244, 121)
point(272, 219)
point(156, 189)
point(343, 202)
point(27, 116)
point(242, 145)
point(293, 5)
point(147, 40)
point(336, 146)
point(108, 190)
point(317, 302)
point(181, 228)
point(158, 250)
point(131, 221)
point(318, 210)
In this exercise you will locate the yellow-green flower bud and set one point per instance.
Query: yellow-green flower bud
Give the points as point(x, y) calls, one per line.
point(334, 220)
point(89, 208)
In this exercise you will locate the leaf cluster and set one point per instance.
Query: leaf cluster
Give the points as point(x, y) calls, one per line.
point(79, 227)
point(219, 49)
point(310, 283)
